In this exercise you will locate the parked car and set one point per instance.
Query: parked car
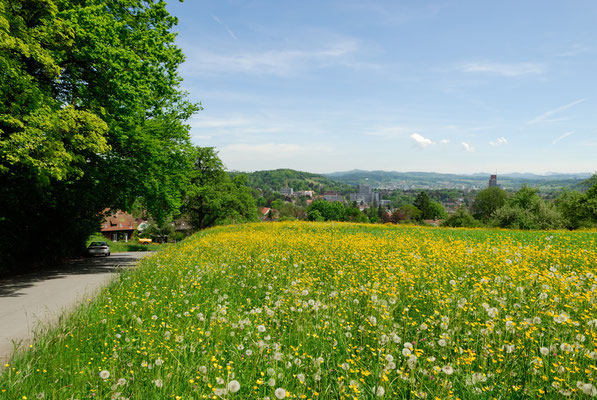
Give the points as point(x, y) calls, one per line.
point(98, 249)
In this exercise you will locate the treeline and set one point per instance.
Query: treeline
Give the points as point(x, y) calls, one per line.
point(92, 118)
point(274, 180)
point(525, 209)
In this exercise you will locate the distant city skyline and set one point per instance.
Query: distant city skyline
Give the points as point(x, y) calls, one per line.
point(439, 86)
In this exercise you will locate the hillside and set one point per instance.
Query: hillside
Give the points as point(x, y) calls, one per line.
point(433, 180)
point(297, 180)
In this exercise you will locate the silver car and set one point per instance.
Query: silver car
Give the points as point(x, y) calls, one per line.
point(98, 249)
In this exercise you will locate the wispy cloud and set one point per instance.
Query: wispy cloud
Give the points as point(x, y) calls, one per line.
point(468, 147)
point(389, 132)
point(270, 155)
point(421, 141)
point(544, 117)
point(444, 141)
point(504, 69)
point(565, 135)
point(273, 62)
point(219, 21)
point(499, 141)
point(574, 50)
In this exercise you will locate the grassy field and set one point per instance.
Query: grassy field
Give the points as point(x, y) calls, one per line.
point(122, 246)
point(333, 311)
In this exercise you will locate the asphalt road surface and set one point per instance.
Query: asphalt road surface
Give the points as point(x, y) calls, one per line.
point(35, 300)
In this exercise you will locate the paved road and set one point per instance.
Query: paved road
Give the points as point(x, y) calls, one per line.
point(40, 298)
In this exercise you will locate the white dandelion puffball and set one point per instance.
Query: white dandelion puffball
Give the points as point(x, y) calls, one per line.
point(234, 386)
point(380, 391)
point(104, 374)
point(544, 351)
point(280, 393)
point(158, 383)
point(447, 369)
point(261, 328)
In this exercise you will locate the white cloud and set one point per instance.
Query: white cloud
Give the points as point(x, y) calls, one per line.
point(210, 123)
point(468, 147)
point(219, 21)
point(254, 156)
point(444, 141)
point(499, 141)
point(565, 135)
point(274, 62)
point(543, 117)
point(390, 132)
point(421, 141)
point(504, 69)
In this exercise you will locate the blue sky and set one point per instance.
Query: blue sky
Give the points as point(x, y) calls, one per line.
point(446, 86)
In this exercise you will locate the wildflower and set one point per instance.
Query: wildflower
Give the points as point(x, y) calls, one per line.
point(280, 393)
point(234, 386)
point(566, 347)
point(544, 351)
point(588, 389)
point(492, 312)
point(104, 374)
point(380, 391)
point(447, 369)
point(261, 328)
point(159, 362)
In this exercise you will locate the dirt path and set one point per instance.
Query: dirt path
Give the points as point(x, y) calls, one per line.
point(40, 298)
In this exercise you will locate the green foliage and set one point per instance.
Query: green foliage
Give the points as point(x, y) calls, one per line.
point(335, 211)
point(423, 203)
point(213, 198)
point(487, 201)
point(298, 180)
point(461, 219)
point(406, 213)
point(373, 214)
point(579, 209)
point(526, 210)
point(437, 210)
point(90, 118)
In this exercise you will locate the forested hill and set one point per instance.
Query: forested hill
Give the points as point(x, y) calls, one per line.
point(433, 180)
point(297, 180)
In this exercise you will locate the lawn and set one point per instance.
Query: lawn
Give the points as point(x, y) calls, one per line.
point(122, 246)
point(332, 311)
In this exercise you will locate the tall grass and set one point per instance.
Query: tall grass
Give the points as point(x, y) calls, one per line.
point(333, 311)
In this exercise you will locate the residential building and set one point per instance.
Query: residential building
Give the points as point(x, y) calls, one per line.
point(118, 226)
point(365, 195)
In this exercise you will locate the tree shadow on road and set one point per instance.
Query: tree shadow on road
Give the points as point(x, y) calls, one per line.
point(13, 287)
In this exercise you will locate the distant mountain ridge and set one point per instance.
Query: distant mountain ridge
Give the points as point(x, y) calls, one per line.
point(340, 181)
point(413, 180)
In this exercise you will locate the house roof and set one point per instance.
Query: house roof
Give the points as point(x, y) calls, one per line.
point(119, 221)
point(264, 210)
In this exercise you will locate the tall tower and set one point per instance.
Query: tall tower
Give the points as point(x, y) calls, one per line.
point(493, 180)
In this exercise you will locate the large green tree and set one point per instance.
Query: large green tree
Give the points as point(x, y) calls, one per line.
point(423, 203)
point(91, 117)
point(213, 197)
point(579, 209)
point(526, 210)
point(487, 201)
